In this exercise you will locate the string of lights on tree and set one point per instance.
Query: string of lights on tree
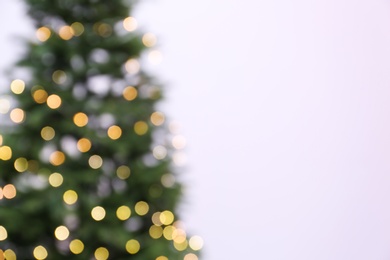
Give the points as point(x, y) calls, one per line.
point(85, 158)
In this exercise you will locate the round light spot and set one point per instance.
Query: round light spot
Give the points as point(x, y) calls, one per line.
point(54, 101)
point(43, 34)
point(162, 258)
point(17, 115)
point(40, 96)
point(157, 118)
point(9, 191)
point(101, 253)
point(159, 152)
point(196, 243)
point(5, 105)
point(133, 246)
point(180, 246)
point(168, 231)
point(61, 233)
point(17, 86)
point(95, 161)
point(80, 119)
point(141, 128)
point(130, 24)
point(5, 153)
point(70, 197)
point(47, 133)
point(84, 145)
point(3, 233)
point(59, 77)
point(78, 28)
point(149, 39)
point(130, 93)
point(123, 212)
point(56, 179)
point(21, 164)
point(9, 254)
point(167, 217)
point(190, 256)
point(98, 213)
point(123, 172)
point(155, 231)
point(40, 252)
point(66, 32)
point(57, 158)
point(114, 132)
point(141, 208)
point(132, 66)
point(76, 246)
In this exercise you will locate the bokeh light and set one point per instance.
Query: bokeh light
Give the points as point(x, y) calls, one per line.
point(130, 93)
point(114, 132)
point(84, 145)
point(56, 179)
point(123, 172)
point(17, 115)
point(95, 161)
point(133, 246)
point(61, 233)
point(80, 119)
point(17, 86)
point(123, 212)
point(98, 213)
point(70, 197)
point(53, 101)
point(40, 252)
point(43, 34)
point(101, 253)
point(130, 24)
point(47, 133)
point(76, 246)
point(141, 208)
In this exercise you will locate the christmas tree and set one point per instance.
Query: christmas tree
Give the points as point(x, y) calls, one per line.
point(85, 157)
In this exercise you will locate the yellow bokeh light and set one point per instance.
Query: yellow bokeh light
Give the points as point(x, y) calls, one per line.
point(98, 213)
point(61, 233)
point(156, 218)
point(141, 128)
point(40, 252)
point(133, 246)
point(180, 246)
point(21, 164)
point(17, 115)
point(9, 191)
point(76, 246)
point(141, 208)
point(70, 197)
point(47, 133)
point(130, 93)
point(196, 243)
point(123, 212)
point(9, 254)
point(130, 24)
point(167, 217)
point(149, 39)
point(104, 29)
point(56, 179)
point(114, 132)
point(162, 258)
point(66, 32)
point(179, 235)
point(155, 231)
point(17, 86)
point(84, 145)
point(157, 118)
point(40, 96)
point(57, 158)
point(78, 28)
point(95, 161)
point(43, 34)
point(168, 231)
point(54, 101)
point(3, 233)
point(59, 76)
point(123, 172)
point(5, 153)
point(159, 152)
point(80, 119)
point(101, 253)
point(190, 256)
point(132, 66)
point(5, 105)
point(168, 180)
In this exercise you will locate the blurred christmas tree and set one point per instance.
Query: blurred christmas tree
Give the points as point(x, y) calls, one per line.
point(85, 160)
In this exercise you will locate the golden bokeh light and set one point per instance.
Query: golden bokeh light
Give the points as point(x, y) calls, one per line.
point(17, 115)
point(17, 86)
point(3, 233)
point(157, 118)
point(80, 119)
point(101, 253)
point(149, 39)
point(156, 218)
point(84, 145)
point(9, 254)
point(141, 208)
point(98, 213)
point(130, 93)
point(179, 236)
point(114, 132)
point(180, 246)
point(40, 252)
point(66, 32)
point(40, 96)
point(168, 180)
point(9, 191)
point(5, 153)
point(54, 101)
point(61, 233)
point(21, 164)
point(166, 217)
point(59, 77)
point(160, 152)
point(133, 246)
point(56, 179)
point(5, 105)
point(70, 197)
point(196, 243)
point(190, 256)
point(123, 212)
point(76, 246)
point(78, 28)
point(47, 133)
point(123, 172)
point(57, 158)
point(168, 232)
point(95, 161)
point(162, 258)
point(43, 34)
point(130, 24)
point(155, 231)
point(141, 128)
point(132, 66)
point(104, 29)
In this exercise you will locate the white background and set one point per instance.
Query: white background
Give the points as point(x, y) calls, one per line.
point(286, 110)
